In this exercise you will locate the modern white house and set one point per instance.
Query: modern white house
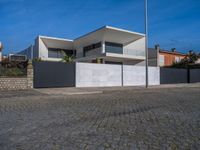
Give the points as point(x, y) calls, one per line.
point(107, 45)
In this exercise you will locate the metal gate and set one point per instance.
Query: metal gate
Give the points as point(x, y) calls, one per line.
point(173, 76)
point(54, 74)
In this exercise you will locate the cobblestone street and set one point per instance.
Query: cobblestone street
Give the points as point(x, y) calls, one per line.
point(166, 118)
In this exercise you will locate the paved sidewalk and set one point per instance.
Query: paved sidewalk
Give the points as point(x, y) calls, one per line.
point(154, 118)
point(96, 90)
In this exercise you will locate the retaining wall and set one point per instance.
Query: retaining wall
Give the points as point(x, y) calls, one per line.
point(13, 83)
point(18, 83)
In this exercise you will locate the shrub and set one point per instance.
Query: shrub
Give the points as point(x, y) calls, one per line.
point(12, 72)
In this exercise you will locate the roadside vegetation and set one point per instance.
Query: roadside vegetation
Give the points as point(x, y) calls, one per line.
point(67, 58)
point(188, 62)
point(13, 69)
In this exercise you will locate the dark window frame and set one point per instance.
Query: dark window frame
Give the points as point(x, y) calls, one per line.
point(58, 53)
point(112, 47)
point(91, 47)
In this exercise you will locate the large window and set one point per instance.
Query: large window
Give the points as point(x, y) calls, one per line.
point(91, 49)
point(113, 47)
point(58, 53)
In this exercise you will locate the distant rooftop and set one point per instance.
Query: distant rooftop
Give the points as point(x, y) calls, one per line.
point(168, 51)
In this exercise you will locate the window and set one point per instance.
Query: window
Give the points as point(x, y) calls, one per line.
point(177, 59)
point(113, 63)
point(114, 47)
point(58, 53)
point(89, 48)
point(161, 60)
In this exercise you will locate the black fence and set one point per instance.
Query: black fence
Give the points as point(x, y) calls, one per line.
point(194, 75)
point(176, 75)
point(54, 74)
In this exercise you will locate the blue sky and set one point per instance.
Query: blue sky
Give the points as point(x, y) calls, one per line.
point(172, 23)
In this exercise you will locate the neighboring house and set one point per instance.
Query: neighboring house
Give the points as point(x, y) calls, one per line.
point(17, 58)
point(28, 52)
point(167, 58)
point(164, 57)
point(105, 45)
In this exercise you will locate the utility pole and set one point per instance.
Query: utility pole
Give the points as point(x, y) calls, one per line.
point(146, 42)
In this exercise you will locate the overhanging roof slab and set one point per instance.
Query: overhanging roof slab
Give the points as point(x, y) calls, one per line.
point(57, 43)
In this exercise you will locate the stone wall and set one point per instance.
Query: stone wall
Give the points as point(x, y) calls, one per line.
point(18, 83)
point(13, 83)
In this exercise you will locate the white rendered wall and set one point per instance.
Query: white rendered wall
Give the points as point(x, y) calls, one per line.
point(102, 75)
point(43, 50)
point(135, 75)
point(136, 48)
point(154, 75)
point(97, 75)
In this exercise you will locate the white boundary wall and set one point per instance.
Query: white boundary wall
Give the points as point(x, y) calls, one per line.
point(95, 75)
point(100, 75)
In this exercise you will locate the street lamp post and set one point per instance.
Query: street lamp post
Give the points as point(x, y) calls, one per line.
point(146, 42)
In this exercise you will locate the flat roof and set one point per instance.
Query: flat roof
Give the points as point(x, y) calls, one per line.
point(112, 28)
point(105, 33)
point(110, 34)
point(55, 38)
point(61, 43)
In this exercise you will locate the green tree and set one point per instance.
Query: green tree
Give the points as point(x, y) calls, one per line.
point(188, 61)
point(67, 58)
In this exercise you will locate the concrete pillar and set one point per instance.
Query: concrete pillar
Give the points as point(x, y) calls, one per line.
point(103, 47)
point(30, 75)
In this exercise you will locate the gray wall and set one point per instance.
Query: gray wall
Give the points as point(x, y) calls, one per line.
point(176, 75)
point(194, 75)
point(54, 74)
point(173, 75)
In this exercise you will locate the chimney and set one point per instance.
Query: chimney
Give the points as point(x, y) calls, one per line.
point(157, 47)
point(173, 49)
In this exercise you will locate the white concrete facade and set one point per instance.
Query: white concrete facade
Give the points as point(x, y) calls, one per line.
point(102, 75)
point(133, 45)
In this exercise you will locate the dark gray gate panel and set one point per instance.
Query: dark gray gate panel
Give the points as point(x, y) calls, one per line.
point(173, 76)
point(54, 74)
point(194, 75)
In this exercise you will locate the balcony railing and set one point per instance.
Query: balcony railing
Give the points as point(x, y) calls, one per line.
point(134, 52)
